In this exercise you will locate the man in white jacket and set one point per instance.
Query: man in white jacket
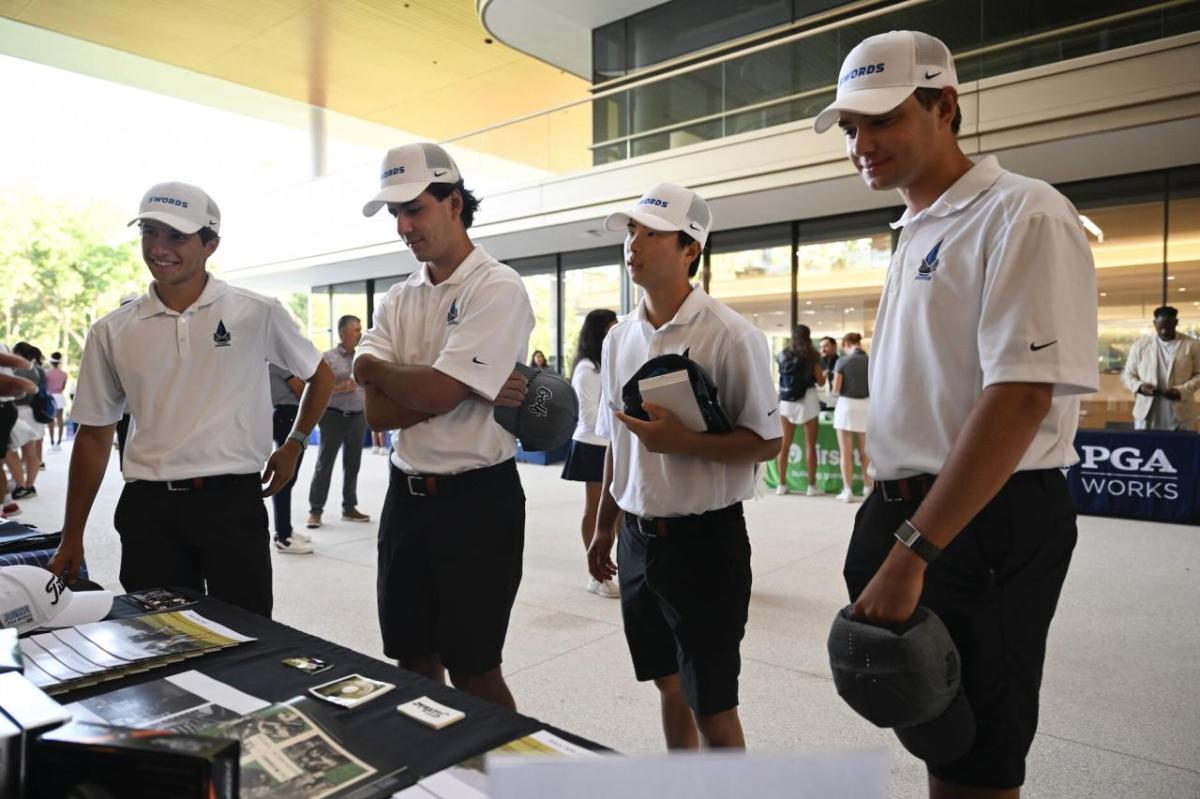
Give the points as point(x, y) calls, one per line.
point(1163, 372)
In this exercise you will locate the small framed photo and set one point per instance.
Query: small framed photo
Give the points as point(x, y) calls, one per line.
point(351, 691)
point(308, 664)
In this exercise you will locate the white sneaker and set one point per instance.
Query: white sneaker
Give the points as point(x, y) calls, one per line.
point(781, 489)
point(607, 589)
point(299, 536)
point(56, 447)
point(374, 450)
point(293, 546)
point(846, 495)
point(814, 491)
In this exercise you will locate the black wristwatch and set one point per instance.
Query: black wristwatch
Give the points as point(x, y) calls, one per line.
point(911, 537)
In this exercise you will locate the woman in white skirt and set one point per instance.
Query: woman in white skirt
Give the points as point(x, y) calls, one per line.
point(800, 372)
point(24, 456)
point(585, 462)
point(850, 413)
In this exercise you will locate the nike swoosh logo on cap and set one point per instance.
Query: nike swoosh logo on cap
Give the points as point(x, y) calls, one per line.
point(476, 360)
point(437, 173)
point(695, 226)
point(931, 75)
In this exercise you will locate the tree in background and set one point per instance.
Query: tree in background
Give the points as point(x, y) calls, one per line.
point(61, 269)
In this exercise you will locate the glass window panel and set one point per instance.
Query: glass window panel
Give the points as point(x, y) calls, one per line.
point(320, 330)
point(685, 26)
point(1127, 245)
point(543, 296)
point(585, 290)
point(1183, 249)
point(689, 96)
point(609, 51)
point(751, 272)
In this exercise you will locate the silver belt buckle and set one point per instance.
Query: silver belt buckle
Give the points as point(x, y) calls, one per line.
point(419, 491)
point(171, 485)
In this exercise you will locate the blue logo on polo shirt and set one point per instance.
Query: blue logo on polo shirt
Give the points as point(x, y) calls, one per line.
point(452, 317)
point(929, 263)
point(222, 337)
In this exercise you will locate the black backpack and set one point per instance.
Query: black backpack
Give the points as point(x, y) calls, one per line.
point(795, 376)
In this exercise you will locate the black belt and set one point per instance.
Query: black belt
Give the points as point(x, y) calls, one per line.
point(443, 485)
point(906, 489)
point(211, 482)
point(343, 413)
point(664, 526)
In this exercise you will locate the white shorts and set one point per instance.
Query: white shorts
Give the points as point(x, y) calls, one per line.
point(60, 400)
point(851, 414)
point(802, 410)
point(26, 429)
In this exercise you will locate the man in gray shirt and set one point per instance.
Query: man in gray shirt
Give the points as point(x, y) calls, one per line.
point(343, 427)
point(850, 413)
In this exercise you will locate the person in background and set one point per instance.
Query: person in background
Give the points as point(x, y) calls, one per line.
point(585, 462)
point(538, 360)
point(11, 388)
point(850, 414)
point(25, 442)
point(379, 442)
point(286, 390)
point(56, 384)
point(1163, 372)
point(828, 348)
point(800, 372)
point(343, 427)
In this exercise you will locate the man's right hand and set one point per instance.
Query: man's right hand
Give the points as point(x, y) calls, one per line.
point(67, 559)
point(1146, 390)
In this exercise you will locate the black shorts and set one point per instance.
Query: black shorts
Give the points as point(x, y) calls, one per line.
point(585, 463)
point(450, 566)
point(996, 587)
point(684, 599)
point(213, 538)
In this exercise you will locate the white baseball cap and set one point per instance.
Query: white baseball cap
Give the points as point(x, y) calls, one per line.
point(182, 206)
point(667, 207)
point(31, 597)
point(882, 70)
point(409, 170)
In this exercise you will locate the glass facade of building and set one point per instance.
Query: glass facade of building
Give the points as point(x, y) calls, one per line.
point(795, 78)
point(828, 273)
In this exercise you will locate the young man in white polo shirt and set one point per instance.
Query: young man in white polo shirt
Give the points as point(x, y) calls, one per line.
point(438, 358)
point(189, 359)
point(684, 553)
point(984, 339)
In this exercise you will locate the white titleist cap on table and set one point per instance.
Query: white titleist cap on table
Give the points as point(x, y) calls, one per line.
point(667, 207)
point(882, 70)
point(181, 205)
point(409, 170)
point(31, 597)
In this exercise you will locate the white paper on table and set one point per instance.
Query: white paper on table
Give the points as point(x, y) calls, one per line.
point(846, 774)
point(217, 692)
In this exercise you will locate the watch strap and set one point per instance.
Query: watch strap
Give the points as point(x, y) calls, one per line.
point(299, 438)
point(911, 537)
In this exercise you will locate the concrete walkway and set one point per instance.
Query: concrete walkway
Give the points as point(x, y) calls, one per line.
point(1120, 700)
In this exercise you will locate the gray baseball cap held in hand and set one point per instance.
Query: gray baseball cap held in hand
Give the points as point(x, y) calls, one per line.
point(908, 679)
point(546, 419)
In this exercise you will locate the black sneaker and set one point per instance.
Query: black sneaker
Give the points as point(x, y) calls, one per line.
point(22, 492)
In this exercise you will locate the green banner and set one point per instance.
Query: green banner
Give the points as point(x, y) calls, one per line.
point(829, 459)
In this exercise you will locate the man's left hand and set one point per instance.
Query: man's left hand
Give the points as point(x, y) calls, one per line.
point(892, 595)
point(663, 434)
point(1172, 394)
point(280, 467)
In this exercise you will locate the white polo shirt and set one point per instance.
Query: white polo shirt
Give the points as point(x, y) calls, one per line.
point(992, 283)
point(474, 327)
point(195, 382)
point(736, 356)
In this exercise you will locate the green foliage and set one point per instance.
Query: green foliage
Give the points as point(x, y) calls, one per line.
point(61, 269)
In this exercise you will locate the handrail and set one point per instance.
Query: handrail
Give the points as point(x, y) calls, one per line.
point(984, 50)
point(684, 70)
point(779, 42)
